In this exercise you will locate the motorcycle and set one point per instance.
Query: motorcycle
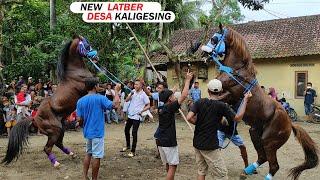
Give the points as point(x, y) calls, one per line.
point(291, 112)
point(315, 113)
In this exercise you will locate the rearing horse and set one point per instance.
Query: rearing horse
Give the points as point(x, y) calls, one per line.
point(270, 124)
point(53, 111)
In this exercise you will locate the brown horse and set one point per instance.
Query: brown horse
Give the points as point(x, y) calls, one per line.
point(53, 111)
point(270, 124)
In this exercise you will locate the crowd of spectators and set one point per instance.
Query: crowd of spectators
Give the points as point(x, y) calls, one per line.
point(21, 98)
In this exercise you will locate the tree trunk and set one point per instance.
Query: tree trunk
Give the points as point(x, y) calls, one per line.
point(1, 37)
point(53, 17)
point(164, 4)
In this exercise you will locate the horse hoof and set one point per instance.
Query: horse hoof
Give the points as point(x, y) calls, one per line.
point(73, 156)
point(56, 164)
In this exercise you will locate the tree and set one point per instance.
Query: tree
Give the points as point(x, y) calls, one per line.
point(253, 4)
point(53, 17)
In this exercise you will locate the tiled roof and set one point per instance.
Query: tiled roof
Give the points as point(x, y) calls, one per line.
point(298, 36)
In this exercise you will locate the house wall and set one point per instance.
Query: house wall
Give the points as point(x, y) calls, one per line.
point(278, 73)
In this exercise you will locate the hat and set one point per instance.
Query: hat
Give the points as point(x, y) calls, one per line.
point(164, 95)
point(215, 85)
point(29, 78)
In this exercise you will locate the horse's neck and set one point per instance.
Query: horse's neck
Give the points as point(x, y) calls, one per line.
point(76, 69)
point(75, 62)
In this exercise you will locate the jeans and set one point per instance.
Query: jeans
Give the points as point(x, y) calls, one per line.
point(129, 124)
point(112, 115)
point(307, 108)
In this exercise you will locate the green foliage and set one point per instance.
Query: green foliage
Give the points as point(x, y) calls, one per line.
point(225, 12)
point(31, 49)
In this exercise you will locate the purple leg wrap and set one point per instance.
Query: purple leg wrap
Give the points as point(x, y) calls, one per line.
point(52, 158)
point(66, 150)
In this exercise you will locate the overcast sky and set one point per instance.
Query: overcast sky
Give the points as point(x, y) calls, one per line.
point(276, 9)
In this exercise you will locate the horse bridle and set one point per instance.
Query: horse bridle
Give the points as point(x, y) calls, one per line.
point(219, 49)
point(85, 50)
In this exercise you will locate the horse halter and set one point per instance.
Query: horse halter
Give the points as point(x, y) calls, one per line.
point(219, 49)
point(85, 50)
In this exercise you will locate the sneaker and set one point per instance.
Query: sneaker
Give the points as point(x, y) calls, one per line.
point(131, 154)
point(125, 149)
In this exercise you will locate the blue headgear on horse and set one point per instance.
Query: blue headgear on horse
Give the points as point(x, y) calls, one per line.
point(219, 46)
point(85, 50)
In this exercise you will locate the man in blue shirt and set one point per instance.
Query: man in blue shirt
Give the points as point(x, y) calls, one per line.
point(90, 112)
point(309, 97)
point(195, 92)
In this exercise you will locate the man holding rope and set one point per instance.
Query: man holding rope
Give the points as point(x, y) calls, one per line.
point(209, 112)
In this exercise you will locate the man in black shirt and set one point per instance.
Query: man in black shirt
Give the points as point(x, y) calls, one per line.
point(209, 112)
point(167, 140)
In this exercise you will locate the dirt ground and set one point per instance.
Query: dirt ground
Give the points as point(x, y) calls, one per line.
point(35, 165)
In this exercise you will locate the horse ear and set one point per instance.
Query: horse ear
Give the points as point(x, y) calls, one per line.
point(75, 36)
point(220, 26)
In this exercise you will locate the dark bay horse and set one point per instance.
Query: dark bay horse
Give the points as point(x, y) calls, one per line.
point(53, 110)
point(270, 124)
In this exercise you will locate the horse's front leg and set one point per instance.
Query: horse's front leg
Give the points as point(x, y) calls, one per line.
point(255, 135)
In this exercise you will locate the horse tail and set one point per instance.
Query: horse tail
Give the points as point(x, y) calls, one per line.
point(17, 140)
point(310, 151)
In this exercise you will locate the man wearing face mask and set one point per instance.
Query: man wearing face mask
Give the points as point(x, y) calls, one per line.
point(309, 97)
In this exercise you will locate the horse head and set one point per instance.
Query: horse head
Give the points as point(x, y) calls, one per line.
point(72, 55)
point(229, 49)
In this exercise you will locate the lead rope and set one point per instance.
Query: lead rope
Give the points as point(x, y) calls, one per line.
point(252, 84)
point(104, 73)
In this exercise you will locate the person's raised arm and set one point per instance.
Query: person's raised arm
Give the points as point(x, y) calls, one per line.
point(185, 90)
point(243, 107)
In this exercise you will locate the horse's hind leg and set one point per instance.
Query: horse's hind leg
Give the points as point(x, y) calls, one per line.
point(262, 158)
point(275, 135)
point(52, 139)
point(64, 149)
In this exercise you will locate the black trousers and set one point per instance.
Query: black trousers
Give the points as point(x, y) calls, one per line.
point(129, 124)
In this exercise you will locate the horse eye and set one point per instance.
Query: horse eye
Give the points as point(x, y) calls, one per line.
point(214, 40)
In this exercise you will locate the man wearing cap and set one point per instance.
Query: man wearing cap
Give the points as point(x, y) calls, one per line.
point(309, 97)
point(167, 140)
point(209, 112)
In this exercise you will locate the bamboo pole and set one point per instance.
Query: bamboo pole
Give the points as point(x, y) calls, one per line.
point(144, 52)
point(147, 57)
point(185, 119)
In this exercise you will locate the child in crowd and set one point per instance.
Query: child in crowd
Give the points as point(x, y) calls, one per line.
point(11, 119)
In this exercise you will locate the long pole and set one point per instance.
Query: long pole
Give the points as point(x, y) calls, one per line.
point(147, 57)
point(144, 52)
point(185, 119)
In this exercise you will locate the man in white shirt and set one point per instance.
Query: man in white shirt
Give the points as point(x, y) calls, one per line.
point(139, 102)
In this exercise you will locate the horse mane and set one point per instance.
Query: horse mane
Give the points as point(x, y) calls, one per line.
point(62, 61)
point(241, 49)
